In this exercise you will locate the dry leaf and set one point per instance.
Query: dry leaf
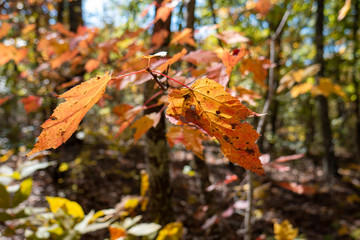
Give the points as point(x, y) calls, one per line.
point(207, 105)
point(142, 125)
point(68, 115)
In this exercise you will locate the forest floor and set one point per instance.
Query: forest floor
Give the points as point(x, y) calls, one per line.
point(294, 191)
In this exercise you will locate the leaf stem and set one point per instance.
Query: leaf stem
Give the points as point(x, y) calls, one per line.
point(171, 78)
point(129, 74)
point(153, 96)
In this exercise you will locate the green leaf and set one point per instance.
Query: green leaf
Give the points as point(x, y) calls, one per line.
point(4, 197)
point(23, 193)
point(4, 217)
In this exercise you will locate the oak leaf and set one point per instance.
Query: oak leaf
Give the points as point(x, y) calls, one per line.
point(207, 105)
point(68, 115)
point(190, 137)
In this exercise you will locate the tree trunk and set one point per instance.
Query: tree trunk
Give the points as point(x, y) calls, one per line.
point(75, 15)
point(160, 192)
point(330, 161)
point(354, 79)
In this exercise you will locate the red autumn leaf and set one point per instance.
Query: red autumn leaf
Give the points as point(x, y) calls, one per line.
point(201, 57)
point(207, 105)
point(91, 65)
point(32, 103)
point(190, 137)
point(298, 188)
point(232, 37)
point(231, 60)
point(4, 99)
point(4, 29)
point(68, 115)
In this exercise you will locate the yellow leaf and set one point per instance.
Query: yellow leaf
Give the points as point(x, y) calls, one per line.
point(207, 105)
point(71, 207)
point(285, 231)
point(7, 155)
point(301, 89)
point(63, 167)
point(172, 231)
point(68, 115)
point(131, 203)
point(144, 183)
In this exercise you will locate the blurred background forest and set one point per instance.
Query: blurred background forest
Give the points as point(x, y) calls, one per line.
point(301, 69)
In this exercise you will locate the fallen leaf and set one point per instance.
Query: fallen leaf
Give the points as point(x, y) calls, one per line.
point(116, 233)
point(285, 231)
point(68, 115)
point(207, 105)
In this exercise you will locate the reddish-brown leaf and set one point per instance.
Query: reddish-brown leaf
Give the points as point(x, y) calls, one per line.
point(298, 188)
point(259, 68)
point(201, 57)
point(231, 60)
point(188, 136)
point(68, 115)
point(207, 105)
point(32, 103)
point(263, 6)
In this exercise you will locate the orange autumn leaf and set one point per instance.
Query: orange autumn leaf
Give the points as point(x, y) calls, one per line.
point(258, 67)
point(68, 115)
point(184, 37)
point(142, 125)
point(91, 65)
point(28, 28)
point(207, 105)
point(4, 29)
point(188, 136)
point(116, 232)
point(231, 60)
point(65, 57)
point(32, 103)
point(127, 115)
point(263, 6)
point(172, 60)
point(61, 29)
point(163, 13)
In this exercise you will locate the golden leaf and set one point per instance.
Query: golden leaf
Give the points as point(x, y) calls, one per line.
point(68, 115)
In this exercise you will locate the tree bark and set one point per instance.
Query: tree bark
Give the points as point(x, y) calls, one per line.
point(330, 161)
point(75, 15)
point(160, 192)
point(354, 79)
